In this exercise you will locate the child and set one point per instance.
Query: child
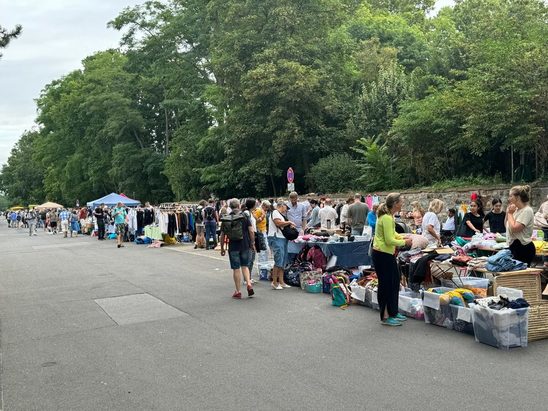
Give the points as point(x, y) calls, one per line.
point(448, 228)
point(473, 220)
point(496, 217)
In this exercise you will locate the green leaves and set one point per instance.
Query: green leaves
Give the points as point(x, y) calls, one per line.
point(222, 96)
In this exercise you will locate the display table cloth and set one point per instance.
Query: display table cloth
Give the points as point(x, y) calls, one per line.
point(349, 254)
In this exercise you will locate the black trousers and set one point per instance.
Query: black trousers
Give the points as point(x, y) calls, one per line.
point(523, 253)
point(101, 229)
point(389, 282)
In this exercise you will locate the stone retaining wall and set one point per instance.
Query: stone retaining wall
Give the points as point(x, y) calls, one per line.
point(453, 198)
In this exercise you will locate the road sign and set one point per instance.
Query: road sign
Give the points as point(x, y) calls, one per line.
point(290, 175)
point(290, 187)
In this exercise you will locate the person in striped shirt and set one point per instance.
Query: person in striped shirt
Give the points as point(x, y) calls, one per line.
point(64, 217)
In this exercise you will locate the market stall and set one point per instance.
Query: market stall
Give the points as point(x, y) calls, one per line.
point(348, 253)
point(112, 199)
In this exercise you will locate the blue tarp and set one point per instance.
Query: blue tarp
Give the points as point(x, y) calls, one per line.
point(112, 199)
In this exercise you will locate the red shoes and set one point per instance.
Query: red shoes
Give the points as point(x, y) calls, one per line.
point(238, 295)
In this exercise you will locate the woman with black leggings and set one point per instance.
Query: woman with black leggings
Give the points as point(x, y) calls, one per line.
point(384, 247)
point(519, 224)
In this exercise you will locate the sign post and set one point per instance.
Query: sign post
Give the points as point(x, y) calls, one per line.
point(290, 179)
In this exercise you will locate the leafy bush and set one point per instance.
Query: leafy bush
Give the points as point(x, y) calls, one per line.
point(334, 173)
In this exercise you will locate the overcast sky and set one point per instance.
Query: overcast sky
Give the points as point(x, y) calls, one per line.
point(57, 36)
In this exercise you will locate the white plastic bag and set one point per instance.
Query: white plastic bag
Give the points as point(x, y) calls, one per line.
point(367, 233)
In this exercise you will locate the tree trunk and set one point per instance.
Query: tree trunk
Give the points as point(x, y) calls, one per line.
point(138, 139)
point(166, 150)
point(273, 185)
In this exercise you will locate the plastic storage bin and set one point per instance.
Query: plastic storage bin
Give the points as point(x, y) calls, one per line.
point(436, 313)
point(371, 298)
point(478, 285)
point(410, 304)
point(503, 329)
point(462, 319)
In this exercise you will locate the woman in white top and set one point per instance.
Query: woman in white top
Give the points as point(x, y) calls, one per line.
point(278, 243)
point(431, 222)
point(519, 224)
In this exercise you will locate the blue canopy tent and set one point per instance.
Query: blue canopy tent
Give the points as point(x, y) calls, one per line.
point(112, 199)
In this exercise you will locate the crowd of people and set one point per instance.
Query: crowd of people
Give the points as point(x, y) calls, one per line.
point(52, 221)
point(249, 229)
point(389, 224)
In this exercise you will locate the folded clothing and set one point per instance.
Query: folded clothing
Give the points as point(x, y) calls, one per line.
point(503, 261)
point(501, 303)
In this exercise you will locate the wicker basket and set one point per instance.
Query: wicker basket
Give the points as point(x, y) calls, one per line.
point(538, 322)
point(528, 282)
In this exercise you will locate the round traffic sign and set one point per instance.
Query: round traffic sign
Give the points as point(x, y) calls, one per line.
point(290, 175)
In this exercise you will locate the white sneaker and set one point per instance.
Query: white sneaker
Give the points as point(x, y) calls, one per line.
point(286, 286)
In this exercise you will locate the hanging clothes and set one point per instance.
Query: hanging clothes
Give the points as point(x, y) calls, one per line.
point(171, 224)
point(162, 221)
point(183, 222)
point(148, 217)
point(140, 220)
point(132, 221)
point(369, 201)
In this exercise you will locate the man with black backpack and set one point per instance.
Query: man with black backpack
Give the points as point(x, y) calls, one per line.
point(237, 227)
point(210, 222)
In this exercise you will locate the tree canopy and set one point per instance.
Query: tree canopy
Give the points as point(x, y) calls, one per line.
point(222, 96)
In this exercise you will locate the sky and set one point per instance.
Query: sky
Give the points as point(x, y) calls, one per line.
point(57, 36)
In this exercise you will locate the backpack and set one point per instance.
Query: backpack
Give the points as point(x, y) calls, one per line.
point(303, 254)
point(292, 275)
point(340, 294)
point(233, 226)
point(209, 214)
point(198, 215)
point(317, 257)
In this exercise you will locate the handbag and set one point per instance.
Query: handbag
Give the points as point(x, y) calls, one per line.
point(260, 242)
point(290, 233)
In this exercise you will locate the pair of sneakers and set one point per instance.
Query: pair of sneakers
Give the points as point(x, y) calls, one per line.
point(395, 321)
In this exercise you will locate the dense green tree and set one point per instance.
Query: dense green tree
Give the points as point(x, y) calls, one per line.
point(22, 177)
point(222, 96)
point(334, 173)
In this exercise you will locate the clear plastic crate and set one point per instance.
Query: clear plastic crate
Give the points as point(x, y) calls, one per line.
point(465, 282)
point(410, 304)
point(462, 319)
point(436, 313)
point(371, 299)
point(502, 329)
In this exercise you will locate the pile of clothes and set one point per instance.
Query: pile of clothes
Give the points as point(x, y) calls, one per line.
point(503, 261)
point(500, 321)
point(502, 303)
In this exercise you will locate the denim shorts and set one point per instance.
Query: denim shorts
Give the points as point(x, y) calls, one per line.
point(279, 250)
point(238, 259)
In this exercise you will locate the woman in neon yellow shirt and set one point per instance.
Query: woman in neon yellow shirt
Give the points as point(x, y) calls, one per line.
point(384, 247)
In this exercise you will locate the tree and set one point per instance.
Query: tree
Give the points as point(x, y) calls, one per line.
point(6, 36)
point(22, 176)
point(333, 174)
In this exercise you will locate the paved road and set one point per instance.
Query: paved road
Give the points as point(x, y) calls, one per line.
point(177, 341)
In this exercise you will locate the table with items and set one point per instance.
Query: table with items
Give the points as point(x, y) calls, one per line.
point(348, 253)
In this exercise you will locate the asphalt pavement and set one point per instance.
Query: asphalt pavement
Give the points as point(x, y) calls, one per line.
point(87, 326)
